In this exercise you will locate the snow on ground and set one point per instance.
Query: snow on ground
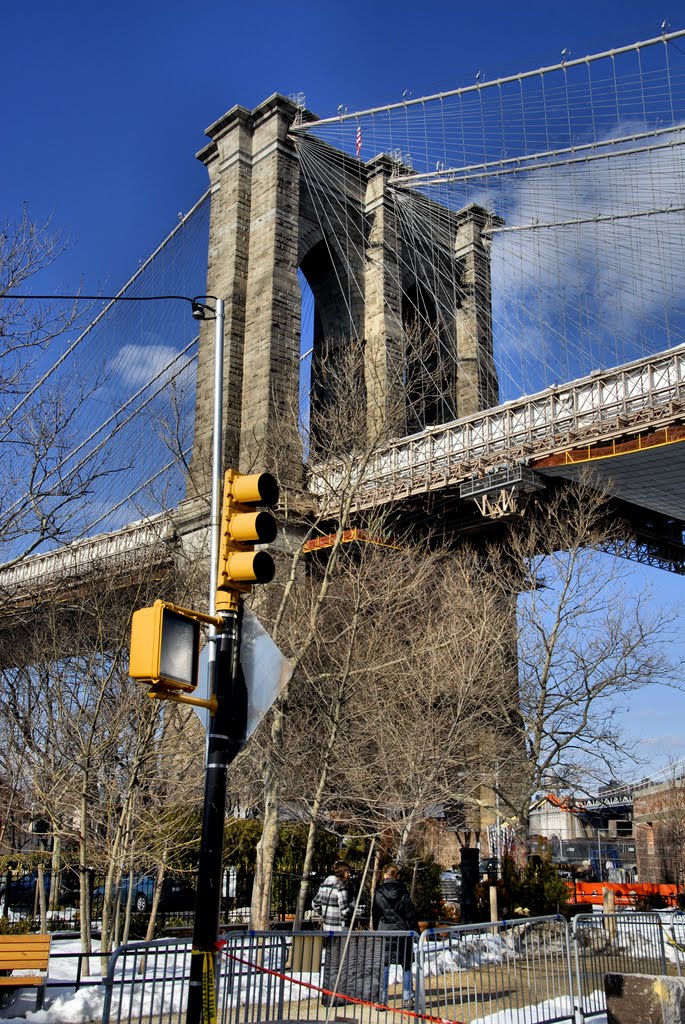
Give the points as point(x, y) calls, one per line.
point(552, 1009)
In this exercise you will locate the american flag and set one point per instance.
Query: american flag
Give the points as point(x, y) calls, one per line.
point(359, 140)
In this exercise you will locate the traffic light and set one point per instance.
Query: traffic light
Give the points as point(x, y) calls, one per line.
point(165, 646)
point(242, 526)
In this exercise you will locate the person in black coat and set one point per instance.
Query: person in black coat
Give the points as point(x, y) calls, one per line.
point(393, 911)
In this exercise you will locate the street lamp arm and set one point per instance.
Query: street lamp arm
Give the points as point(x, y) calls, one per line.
point(200, 309)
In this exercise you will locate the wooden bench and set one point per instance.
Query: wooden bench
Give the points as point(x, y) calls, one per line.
point(25, 953)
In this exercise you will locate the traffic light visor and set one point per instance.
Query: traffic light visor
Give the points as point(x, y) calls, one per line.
point(250, 567)
point(253, 528)
point(255, 489)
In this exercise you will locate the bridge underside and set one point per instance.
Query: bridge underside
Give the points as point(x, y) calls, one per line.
point(646, 476)
point(643, 475)
point(647, 470)
point(444, 517)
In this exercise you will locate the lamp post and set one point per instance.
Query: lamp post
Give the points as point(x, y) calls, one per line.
point(200, 310)
point(599, 854)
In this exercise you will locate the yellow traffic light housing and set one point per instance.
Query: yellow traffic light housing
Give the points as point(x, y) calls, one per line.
point(241, 528)
point(165, 645)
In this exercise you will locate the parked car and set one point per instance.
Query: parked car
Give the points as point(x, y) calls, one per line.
point(20, 891)
point(177, 894)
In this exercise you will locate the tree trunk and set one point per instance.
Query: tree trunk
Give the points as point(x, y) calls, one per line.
point(84, 894)
point(55, 871)
point(260, 908)
point(377, 860)
point(42, 902)
point(156, 897)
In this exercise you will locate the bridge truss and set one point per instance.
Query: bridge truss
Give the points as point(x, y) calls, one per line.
point(595, 422)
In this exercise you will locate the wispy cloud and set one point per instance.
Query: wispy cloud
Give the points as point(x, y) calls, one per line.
point(137, 365)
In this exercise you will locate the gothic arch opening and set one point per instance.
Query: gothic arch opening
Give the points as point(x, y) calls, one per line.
point(428, 365)
point(333, 327)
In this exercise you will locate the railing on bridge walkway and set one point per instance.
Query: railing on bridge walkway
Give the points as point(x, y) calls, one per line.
point(534, 969)
point(636, 396)
point(120, 551)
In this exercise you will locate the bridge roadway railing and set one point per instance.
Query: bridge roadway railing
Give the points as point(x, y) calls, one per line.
point(638, 396)
point(641, 395)
point(121, 551)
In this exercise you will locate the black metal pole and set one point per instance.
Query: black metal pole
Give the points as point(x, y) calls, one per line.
point(469, 881)
point(225, 741)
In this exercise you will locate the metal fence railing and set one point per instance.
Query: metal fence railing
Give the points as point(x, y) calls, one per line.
point(628, 943)
point(146, 980)
point(20, 898)
point(473, 971)
point(529, 970)
point(279, 977)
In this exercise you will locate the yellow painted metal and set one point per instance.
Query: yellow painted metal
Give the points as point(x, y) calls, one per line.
point(586, 454)
point(146, 639)
point(162, 693)
point(242, 526)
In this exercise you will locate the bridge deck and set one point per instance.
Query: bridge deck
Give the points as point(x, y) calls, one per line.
point(634, 411)
point(609, 406)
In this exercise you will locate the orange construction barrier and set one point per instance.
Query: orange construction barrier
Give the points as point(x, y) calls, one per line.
point(625, 893)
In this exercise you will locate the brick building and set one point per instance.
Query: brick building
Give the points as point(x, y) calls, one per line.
point(659, 830)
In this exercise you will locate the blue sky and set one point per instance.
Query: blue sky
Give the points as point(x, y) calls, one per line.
point(105, 104)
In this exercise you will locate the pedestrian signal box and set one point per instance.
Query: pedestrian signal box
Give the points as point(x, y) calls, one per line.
point(165, 646)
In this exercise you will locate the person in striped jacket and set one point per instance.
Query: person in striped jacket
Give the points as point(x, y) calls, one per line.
point(332, 902)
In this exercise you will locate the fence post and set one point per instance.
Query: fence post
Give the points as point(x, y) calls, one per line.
point(8, 892)
point(420, 978)
point(579, 1001)
point(609, 914)
point(109, 986)
point(494, 916)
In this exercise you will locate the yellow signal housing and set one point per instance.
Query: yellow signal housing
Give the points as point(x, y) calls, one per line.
point(242, 526)
point(165, 646)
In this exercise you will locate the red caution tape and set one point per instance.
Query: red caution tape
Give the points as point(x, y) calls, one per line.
point(340, 995)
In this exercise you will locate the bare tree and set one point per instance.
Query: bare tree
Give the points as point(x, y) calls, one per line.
point(339, 434)
point(43, 490)
point(584, 642)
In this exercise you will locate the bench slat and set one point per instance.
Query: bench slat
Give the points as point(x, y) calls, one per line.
point(17, 981)
point(43, 944)
point(35, 948)
point(23, 963)
point(26, 940)
point(21, 953)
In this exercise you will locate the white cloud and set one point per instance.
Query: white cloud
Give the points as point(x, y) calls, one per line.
point(137, 365)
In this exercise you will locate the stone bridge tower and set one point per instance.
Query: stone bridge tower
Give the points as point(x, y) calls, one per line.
point(266, 223)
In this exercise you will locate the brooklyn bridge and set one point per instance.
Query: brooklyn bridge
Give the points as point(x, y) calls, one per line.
point(503, 263)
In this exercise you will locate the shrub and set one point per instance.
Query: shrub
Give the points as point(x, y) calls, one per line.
point(650, 901)
point(8, 927)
